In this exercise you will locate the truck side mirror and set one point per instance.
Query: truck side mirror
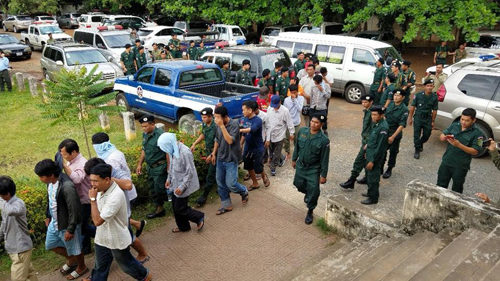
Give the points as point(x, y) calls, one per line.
point(131, 77)
point(59, 63)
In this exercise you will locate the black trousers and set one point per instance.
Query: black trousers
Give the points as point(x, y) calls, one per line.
point(88, 230)
point(5, 78)
point(184, 214)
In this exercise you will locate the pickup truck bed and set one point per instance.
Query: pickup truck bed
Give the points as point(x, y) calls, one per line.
point(221, 91)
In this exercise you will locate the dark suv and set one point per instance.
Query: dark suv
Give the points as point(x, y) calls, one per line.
point(261, 57)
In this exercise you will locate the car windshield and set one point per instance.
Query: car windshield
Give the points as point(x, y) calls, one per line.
point(46, 18)
point(237, 32)
point(117, 40)
point(144, 32)
point(50, 29)
point(311, 29)
point(8, 40)
point(24, 18)
point(200, 76)
point(76, 15)
point(273, 56)
point(486, 41)
point(388, 54)
point(84, 57)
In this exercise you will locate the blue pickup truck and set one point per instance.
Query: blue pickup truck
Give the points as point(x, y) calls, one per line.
point(179, 90)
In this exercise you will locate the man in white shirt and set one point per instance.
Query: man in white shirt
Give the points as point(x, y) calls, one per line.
point(294, 103)
point(307, 84)
point(112, 239)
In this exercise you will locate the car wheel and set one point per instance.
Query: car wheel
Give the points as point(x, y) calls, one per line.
point(27, 42)
point(121, 102)
point(189, 124)
point(15, 29)
point(354, 92)
point(485, 130)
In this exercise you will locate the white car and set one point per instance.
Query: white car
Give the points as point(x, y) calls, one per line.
point(92, 20)
point(488, 44)
point(134, 21)
point(230, 33)
point(44, 19)
point(160, 35)
point(449, 69)
point(38, 34)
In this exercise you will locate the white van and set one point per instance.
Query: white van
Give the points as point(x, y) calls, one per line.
point(350, 60)
point(230, 33)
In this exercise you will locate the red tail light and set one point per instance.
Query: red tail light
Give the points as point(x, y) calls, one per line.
point(260, 39)
point(441, 93)
point(256, 81)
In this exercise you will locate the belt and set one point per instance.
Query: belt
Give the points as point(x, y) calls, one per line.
point(158, 163)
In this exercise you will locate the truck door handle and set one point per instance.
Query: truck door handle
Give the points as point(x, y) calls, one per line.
point(352, 70)
point(338, 68)
point(497, 108)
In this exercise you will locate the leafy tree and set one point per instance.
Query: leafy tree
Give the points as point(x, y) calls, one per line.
point(32, 6)
point(429, 17)
point(73, 97)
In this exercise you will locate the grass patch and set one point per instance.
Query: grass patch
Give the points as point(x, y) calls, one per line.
point(323, 226)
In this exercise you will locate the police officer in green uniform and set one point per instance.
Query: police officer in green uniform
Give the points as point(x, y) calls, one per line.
point(208, 134)
point(202, 49)
point(266, 79)
point(243, 75)
point(274, 75)
point(226, 72)
point(135, 51)
point(376, 147)
point(359, 163)
point(410, 78)
point(282, 84)
point(175, 47)
point(310, 161)
point(400, 78)
point(376, 89)
point(441, 53)
point(396, 115)
point(386, 97)
point(141, 59)
point(127, 60)
point(300, 63)
point(464, 140)
point(423, 112)
point(156, 53)
point(157, 163)
point(192, 51)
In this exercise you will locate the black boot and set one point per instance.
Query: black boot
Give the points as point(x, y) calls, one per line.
point(309, 217)
point(349, 184)
point(388, 173)
point(369, 201)
point(362, 181)
point(416, 155)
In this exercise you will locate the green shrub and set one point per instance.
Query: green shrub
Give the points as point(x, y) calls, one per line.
point(34, 195)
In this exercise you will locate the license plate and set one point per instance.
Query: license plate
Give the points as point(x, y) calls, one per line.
point(19, 54)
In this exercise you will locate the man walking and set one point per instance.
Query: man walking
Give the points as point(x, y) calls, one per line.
point(207, 134)
point(141, 59)
point(192, 51)
point(360, 161)
point(464, 140)
point(423, 112)
point(183, 180)
point(438, 78)
point(389, 89)
point(4, 73)
point(278, 120)
point(282, 84)
point(175, 47)
point(127, 59)
point(410, 78)
point(243, 75)
point(299, 64)
point(396, 115)
point(226, 155)
point(376, 88)
point(156, 53)
point(294, 104)
point(441, 53)
point(320, 94)
point(157, 163)
point(310, 161)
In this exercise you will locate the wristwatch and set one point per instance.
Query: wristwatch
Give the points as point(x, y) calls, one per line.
point(92, 198)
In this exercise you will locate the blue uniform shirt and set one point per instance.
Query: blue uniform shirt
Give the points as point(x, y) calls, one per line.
point(4, 63)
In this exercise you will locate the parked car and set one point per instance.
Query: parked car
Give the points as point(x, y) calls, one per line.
point(193, 26)
point(272, 31)
point(72, 55)
point(325, 28)
point(179, 90)
point(261, 57)
point(449, 69)
point(476, 86)
point(125, 21)
point(350, 60)
point(489, 43)
point(44, 19)
point(12, 48)
point(16, 23)
point(38, 34)
point(230, 33)
point(387, 37)
point(69, 20)
point(91, 20)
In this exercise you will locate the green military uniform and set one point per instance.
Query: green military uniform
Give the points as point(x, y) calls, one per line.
point(157, 165)
point(128, 61)
point(266, 82)
point(359, 162)
point(51, 41)
point(387, 94)
point(282, 85)
point(395, 115)
point(209, 132)
point(193, 53)
point(375, 150)
point(243, 77)
point(456, 162)
point(379, 75)
point(460, 55)
point(274, 77)
point(400, 81)
point(227, 74)
point(202, 51)
point(176, 50)
point(311, 154)
point(410, 77)
point(422, 119)
point(141, 60)
point(156, 54)
point(442, 53)
point(298, 65)
point(135, 50)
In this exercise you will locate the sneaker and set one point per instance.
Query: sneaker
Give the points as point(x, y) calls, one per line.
point(282, 161)
point(273, 173)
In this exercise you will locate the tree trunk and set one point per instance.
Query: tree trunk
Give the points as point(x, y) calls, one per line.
point(85, 132)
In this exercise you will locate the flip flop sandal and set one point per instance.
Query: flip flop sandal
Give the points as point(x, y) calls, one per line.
point(244, 199)
point(267, 182)
point(177, 230)
point(202, 223)
point(75, 275)
point(67, 269)
point(246, 177)
point(144, 260)
point(222, 211)
point(139, 231)
point(250, 188)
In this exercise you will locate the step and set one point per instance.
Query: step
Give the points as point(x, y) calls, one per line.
point(493, 274)
point(480, 261)
point(386, 264)
point(451, 256)
point(419, 258)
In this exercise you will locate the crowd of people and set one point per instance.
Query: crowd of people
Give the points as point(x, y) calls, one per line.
point(93, 198)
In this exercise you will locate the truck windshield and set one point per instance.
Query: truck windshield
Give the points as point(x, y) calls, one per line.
point(237, 32)
point(7, 39)
point(84, 57)
point(388, 53)
point(273, 56)
point(50, 29)
point(200, 76)
point(23, 18)
point(117, 40)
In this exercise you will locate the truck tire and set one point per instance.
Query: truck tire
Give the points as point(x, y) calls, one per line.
point(354, 92)
point(121, 102)
point(485, 129)
point(27, 42)
point(189, 124)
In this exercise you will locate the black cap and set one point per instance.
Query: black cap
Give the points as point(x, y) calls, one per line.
point(207, 111)
point(147, 118)
point(245, 62)
point(300, 53)
point(377, 108)
point(137, 40)
point(396, 64)
point(429, 81)
point(321, 117)
point(367, 97)
point(407, 62)
point(127, 46)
